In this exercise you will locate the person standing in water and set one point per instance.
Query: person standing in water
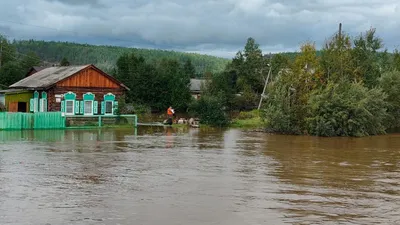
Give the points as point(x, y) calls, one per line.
point(170, 113)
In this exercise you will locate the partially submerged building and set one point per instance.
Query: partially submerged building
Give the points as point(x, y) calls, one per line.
point(73, 90)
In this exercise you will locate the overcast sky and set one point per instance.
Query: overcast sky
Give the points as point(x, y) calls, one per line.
point(215, 27)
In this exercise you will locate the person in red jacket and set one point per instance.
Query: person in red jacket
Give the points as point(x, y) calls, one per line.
point(170, 112)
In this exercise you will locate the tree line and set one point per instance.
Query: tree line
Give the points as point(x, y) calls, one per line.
point(351, 87)
point(105, 57)
point(14, 65)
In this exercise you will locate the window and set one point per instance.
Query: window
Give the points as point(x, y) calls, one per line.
point(42, 105)
point(69, 107)
point(109, 107)
point(88, 108)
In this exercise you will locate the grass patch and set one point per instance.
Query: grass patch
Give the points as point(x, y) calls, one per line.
point(250, 119)
point(248, 123)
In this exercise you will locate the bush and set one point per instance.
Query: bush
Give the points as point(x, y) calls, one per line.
point(210, 110)
point(280, 113)
point(347, 109)
point(129, 108)
point(390, 84)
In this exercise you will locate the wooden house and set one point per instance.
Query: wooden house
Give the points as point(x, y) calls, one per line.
point(74, 90)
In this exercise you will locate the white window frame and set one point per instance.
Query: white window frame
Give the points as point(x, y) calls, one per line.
point(66, 108)
point(36, 104)
point(41, 105)
point(105, 108)
point(91, 108)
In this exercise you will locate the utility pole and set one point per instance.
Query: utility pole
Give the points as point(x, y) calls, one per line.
point(265, 85)
point(340, 49)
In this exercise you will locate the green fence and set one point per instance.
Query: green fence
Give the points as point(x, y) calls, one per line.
point(21, 121)
point(48, 120)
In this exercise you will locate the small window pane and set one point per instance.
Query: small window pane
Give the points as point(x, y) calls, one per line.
point(88, 107)
point(69, 106)
point(109, 106)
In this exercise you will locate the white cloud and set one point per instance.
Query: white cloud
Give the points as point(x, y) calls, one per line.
point(218, 27)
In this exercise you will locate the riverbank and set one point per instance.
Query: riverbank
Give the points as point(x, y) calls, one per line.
point(248, 120)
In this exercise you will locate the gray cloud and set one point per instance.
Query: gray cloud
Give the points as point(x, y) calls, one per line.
point(218, 27)
point(95, 3)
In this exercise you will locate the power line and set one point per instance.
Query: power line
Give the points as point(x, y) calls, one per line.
point(19, 53)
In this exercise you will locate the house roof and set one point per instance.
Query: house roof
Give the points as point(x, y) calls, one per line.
point(39, 68)
point(195, 84)
point(13, 91)
point(35, 69)
point(47, 77)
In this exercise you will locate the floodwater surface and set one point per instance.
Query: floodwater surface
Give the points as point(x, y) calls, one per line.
point(192, 177)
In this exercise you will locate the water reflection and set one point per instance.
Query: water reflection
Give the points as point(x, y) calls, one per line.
point(196, 176)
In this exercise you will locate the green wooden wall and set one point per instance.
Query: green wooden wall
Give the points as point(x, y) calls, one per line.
point(18, 97)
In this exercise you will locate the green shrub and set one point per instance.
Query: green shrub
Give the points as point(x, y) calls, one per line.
point(347, 109)
point(210, 110)
point(390, 84)
point(280, 113)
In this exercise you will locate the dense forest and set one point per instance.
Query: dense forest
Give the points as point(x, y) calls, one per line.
point(105, 57)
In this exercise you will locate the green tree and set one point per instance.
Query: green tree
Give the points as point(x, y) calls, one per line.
point(10, 73)
point(365, 57)
point(189, 69)
point(64, 62)
point(8, 52)
point(286, 105)
point(176, 85)
point(396, 60)
point(140, 77)
point(156, 86)
point(251, 69)
point(29, 60)
point(279, 62)
point(336, 59)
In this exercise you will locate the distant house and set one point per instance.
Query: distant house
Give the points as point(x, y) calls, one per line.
point(195, 87)
point(74, 90)
point(34, 70)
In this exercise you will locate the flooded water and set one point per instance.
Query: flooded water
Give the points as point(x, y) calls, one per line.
point(192, 177)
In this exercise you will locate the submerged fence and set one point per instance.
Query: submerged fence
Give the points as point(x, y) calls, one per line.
point(53, 120)
point(40, 120)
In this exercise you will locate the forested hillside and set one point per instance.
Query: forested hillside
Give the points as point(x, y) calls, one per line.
point(105, 57)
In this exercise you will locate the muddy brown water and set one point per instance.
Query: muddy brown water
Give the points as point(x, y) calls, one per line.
point(190, 177)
